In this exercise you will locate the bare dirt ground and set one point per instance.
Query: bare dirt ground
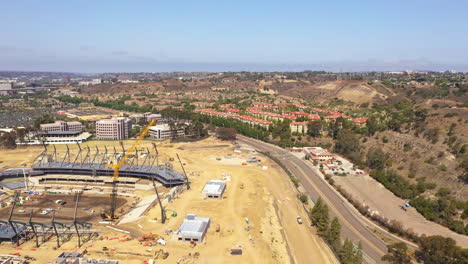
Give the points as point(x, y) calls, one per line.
point(89, 207)
point(267, 200)
point(373, 194)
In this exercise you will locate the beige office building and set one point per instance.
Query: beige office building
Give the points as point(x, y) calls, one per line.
point(116, 128)
point(61, 126)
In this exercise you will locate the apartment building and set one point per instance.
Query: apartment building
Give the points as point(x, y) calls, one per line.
point(299, 127)
point(116, 128)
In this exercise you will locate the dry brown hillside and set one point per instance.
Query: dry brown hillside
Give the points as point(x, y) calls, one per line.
point(428, 153)
point(355, 91)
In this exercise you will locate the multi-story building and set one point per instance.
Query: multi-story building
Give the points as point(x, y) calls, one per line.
point(299, 127)
point(148, 116)
point(322, 156)
point(116, 128)
point(164, 131)
point(5, 88)
point(61, 126)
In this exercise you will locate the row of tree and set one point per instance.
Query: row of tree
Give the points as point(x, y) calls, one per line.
point(347, 252)
point(432, 250)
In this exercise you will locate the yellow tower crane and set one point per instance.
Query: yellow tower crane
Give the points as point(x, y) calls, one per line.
point(116, 167)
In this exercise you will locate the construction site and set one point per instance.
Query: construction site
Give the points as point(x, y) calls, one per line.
point(138, 202)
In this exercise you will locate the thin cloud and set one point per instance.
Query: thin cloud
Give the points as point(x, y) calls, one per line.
point(120, 52)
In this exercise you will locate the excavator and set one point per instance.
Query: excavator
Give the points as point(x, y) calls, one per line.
point(111, 215)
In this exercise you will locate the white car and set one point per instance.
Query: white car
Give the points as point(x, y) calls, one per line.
point(21, 211)
point(46, 211)
point(299, 220)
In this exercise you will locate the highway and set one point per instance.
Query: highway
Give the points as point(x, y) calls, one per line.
point(353, 226)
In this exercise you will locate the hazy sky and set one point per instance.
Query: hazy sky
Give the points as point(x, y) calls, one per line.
point(217, 35)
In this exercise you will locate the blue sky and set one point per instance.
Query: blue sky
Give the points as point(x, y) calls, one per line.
point(107, 36)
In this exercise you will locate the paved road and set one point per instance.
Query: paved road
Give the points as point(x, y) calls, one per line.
point(352, 226)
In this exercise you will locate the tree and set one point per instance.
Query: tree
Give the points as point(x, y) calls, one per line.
point(334, 128)
point(314, 128)
point(226, 133)
point(333, 236)
point(45, 119)
point(349, 254)
point(319, 217)
point(347, 144)
point(376, 158)
point(397, 254)
point(371, 125)
point(440, 250)
point(8, 140)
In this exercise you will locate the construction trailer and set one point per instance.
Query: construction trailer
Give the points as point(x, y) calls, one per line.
point(214, 189)
point(193, 228)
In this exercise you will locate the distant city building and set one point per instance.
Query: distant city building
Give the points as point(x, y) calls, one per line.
point(92, 82)
point(5, 89)
point(116, 128)
point(164, 131)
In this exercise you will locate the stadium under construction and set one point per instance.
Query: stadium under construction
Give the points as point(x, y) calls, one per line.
point(93, 162)
point(77, 168)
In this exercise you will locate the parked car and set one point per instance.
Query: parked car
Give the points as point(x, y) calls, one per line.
point(61, 202)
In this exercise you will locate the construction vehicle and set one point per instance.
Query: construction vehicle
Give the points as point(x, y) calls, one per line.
point(119, 162)
point(174, 213)
point(148, 237)
point(161, 254)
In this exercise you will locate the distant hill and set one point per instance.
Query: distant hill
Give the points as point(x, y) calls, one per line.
point(355, 91)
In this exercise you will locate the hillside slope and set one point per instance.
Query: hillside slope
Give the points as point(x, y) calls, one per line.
point(355, 91)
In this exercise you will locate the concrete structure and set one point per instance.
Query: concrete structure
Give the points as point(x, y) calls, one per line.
point(10, 259)
point(214, 189)
point(116, 128)
point(322, 156)
point(5, 88)
point(77, 258)
point(61, 126)
point(193, 228)
point(164, 131)
point(299, 127)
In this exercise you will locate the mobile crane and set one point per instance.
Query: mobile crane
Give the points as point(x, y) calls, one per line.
point(110, 215)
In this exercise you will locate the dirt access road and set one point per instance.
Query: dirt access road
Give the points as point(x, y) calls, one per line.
point(378, 198)
point(288, 207)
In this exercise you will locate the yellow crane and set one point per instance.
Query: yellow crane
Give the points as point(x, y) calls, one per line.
point(116, 167)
